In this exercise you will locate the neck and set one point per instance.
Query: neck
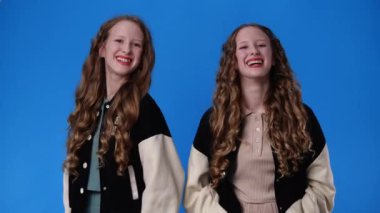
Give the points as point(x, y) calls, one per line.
point(113, 84)
point(253, 94)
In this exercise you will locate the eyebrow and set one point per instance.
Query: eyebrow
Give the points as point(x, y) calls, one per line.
point(241, 42)
point(133, 39)
point(258, 40)
point(266, 40)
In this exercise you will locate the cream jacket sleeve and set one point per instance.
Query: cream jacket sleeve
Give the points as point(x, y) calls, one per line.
point(199, 196)
point(66, 193)
point(163, 175)
point(320, 193)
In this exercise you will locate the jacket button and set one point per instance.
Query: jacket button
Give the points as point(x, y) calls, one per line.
point(280, 208)
point(107, 106)
point(89, 137)
point(81, 190)
point(84, 165)
point(104, 188)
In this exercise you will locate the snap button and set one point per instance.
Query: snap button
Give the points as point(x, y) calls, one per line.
point(81, 190)
point(84, 165)
point(89, 137)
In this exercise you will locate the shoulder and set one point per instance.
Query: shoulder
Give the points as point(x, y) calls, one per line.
point(314, 128)
point(150, 110)
point(147, 102)
point(150, 121)
point(203, 138)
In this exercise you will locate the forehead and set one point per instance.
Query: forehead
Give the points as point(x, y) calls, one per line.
point(251, 34)
point(127, 29)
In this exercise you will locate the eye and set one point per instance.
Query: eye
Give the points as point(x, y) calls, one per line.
point(262, 45)
point(119, 40)
point(243, 47)
point(137, 44)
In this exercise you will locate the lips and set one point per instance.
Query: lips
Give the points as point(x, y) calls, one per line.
point(255, 62)
point(124, 60)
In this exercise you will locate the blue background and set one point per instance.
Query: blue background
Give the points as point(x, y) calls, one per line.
point(333, 47)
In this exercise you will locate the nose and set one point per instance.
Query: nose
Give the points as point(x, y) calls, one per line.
point(126, 48)
point(254, 51)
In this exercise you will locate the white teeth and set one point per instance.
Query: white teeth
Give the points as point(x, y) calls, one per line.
point(253, 62)
point(123, 59)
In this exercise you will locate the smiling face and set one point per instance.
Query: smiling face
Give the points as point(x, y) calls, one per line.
point(123, 49)
point(253, 53)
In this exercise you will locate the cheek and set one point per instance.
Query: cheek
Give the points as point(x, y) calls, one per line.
point(269, 55)
point(271, 59)
point(138, 55)
point(240, 57)
point(239, 64)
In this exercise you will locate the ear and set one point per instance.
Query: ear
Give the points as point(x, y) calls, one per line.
point(102, 51)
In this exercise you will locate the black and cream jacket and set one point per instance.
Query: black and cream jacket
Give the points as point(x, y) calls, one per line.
point(309, 190)
point(152, 182)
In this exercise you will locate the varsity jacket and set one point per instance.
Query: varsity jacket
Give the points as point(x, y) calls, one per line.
point(309, 190)
point(152, 182)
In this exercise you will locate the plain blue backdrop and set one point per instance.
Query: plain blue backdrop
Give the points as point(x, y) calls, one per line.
point(333, 47)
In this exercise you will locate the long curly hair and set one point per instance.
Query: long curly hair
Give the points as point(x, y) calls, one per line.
point(124, 109)
point(286, 116)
